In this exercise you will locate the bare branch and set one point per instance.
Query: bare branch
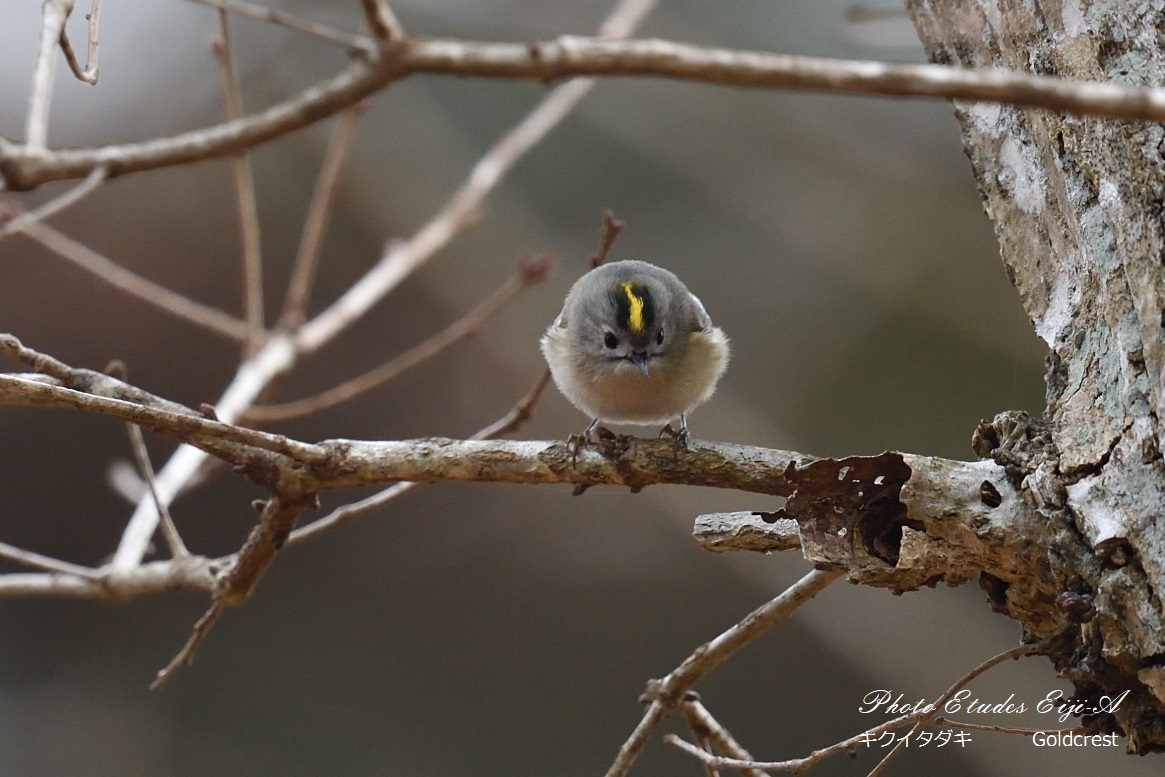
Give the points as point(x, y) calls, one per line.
point(942, 722)
point(570, 56)
point(704, 726)
point(1007, 655)
point(665, 694)
point(862, 497)
point(919, 718)
point(316, 221)
point(245, 195)
point(193, 573)
point(520, 413)
point(381, 20)
point(415, 356)
point(141, 456)
point(633, 462)
point(146, 469)
point(36, 561)
point(185, 656)
point(88, 74)
point(26, 167)
point(36, 132)
point(355, 43)
point(234, 444)
point(254, 375)
point(346, 514)
point(155, 294)
point(607, 237)
point(794, 765)
point(280, 514)
point(54, 372)
point(57, 204)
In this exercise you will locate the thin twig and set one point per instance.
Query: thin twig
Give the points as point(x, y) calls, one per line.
point(794, 765)
point(36, 561)
point(607, 236)
point(919, 718)
point(942, 722)
point(341, 516)
point(519, 414)
point(56, 13)
point(355, 43)
point(141, 456)
point(186, 655)
point(346, 514)
point(701, 738)
point(316, 222)
point(74, 195)
point(131, 283)
point(146, 470)
point(381, 20)
point(668, 692)
point(704, 726)
point(247, 566)
point(393, 368)
point(1016, 652)
point(245, 195)
point(88, 74)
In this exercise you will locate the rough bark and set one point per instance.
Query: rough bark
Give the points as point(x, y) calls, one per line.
point(1077, 207)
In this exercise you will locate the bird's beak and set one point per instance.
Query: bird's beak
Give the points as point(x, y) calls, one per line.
point(640, 361)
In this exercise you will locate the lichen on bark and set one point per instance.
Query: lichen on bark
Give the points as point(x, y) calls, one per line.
point(1077, 205)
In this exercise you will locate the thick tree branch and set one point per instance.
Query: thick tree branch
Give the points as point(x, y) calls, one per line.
point(26, 167)
point(894, 520)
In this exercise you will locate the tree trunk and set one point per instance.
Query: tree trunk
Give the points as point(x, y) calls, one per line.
point(1077, 207)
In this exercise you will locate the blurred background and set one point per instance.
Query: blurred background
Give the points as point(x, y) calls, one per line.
point(482, 629)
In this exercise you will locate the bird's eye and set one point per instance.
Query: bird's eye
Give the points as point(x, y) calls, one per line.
point(610, 340)
point(659, 338)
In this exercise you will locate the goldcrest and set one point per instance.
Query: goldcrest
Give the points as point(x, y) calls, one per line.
point(633, 346)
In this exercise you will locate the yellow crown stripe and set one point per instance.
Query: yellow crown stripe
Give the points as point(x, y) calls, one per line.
point(635, 314)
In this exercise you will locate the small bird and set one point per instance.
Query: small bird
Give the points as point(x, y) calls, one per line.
point(632, 345)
